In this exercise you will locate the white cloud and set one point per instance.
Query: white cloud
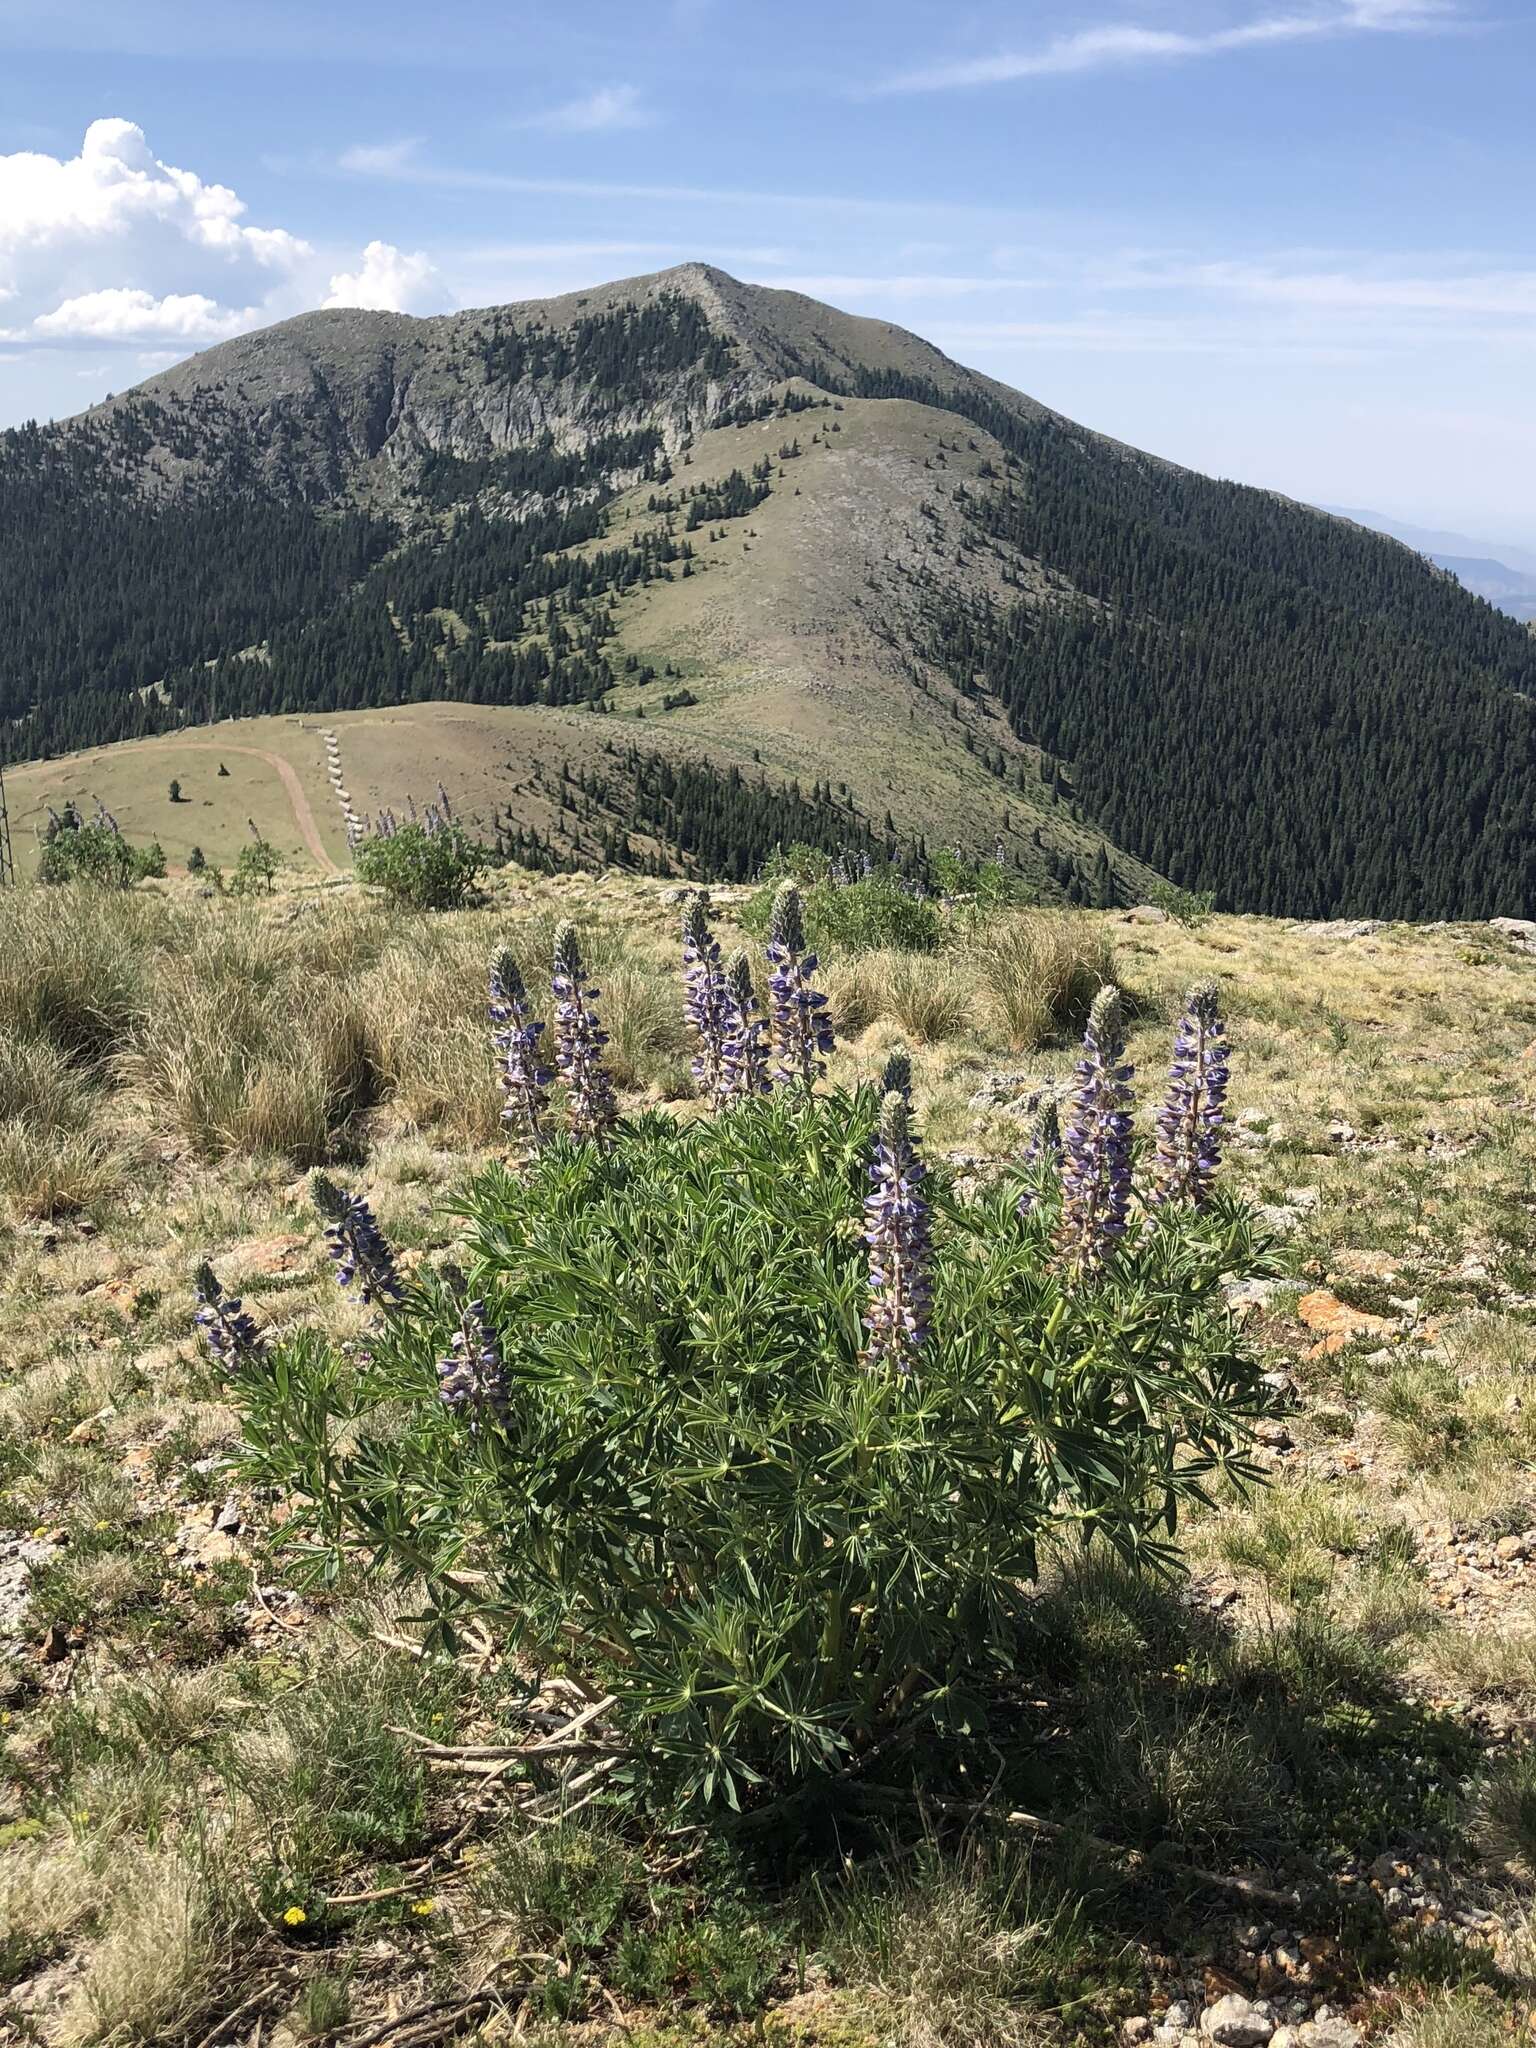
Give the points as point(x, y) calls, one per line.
point(119, 314)
point(1511, 292)
point(388, 280)
point(1124, 44)
point(115, 246)
point(378, 159)
point(611, 106)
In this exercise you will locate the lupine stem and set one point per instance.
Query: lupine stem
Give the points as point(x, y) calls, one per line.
point(515, 1033)
point(1096, 1163)
point(896, 1230)
point(802, 1030)
point(1189, 1122)
point(358, 1248)
point(579, 1042)
point(229, 1332)
point(744, 1065)
point(706, 1001)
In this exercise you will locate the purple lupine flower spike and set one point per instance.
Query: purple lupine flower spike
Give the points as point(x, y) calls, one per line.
point(896, 1076)
point(897, 1232)
point(357, 1246)
point(229, 1332)
point(579, 1042)
point(515, 1033)
point(1189, 1122)
point(1096, 1150)
point(1042, 1148)
point(706, 1001)
point(472, 1373)
point(802, 1030)
point(745, 1051)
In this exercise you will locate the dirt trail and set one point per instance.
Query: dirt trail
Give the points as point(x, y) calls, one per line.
point(303, 815)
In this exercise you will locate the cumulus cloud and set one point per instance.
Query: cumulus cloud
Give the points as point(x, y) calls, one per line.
point(388, 280)
point(121, 314)
point(116, 246)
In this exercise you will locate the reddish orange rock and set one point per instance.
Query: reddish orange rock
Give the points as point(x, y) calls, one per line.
point(1338, 1323)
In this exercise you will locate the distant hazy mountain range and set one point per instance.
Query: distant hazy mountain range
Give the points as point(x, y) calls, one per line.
point(799, 552)
point(1502, 571)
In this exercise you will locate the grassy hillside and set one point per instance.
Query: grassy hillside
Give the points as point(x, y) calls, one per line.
point(1305, 1764)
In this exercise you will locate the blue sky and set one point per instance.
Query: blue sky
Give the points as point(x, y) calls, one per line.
point(1289, 241)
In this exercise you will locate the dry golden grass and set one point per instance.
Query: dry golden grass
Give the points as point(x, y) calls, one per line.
point(184, 1035)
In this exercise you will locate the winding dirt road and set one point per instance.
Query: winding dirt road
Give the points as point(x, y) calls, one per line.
point(303, 814)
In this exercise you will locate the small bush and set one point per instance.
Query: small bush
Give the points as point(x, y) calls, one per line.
point(96, 853)
point(426, 870)
point(877, 911)
point(699, 1492)
point(256, 867)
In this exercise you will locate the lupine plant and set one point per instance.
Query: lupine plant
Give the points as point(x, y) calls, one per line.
point(227, 1328)
point(706, 1001)
point(1189, 1122)
point(777, 1488)
point(471, 1374)
point(579, 1040)
point(1096, 1148)
point(1041, 1157)
point(745, 1052)
point(896, 1230)
point(359, 1250)
point(515, 1034)
point(802, 1030)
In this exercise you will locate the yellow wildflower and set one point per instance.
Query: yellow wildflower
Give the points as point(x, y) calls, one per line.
point(295, 1917)
point(424, 1907)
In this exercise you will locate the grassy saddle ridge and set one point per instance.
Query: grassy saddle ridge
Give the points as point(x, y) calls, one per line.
point(697, 1490)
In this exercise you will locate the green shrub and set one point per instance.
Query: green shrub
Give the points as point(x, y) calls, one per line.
point(1189, 907)
point(426, 870)
point(699, 1494)
point(89, 853)
point(859, 917)
point(256, 868)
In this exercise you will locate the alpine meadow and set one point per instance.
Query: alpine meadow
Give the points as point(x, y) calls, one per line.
point(767, 1125)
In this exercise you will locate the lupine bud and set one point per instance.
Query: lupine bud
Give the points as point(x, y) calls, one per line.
point(744, 1066)
point(802, 1031)
point(356, 1244)
point(1042, 1148)
point(896, 1230)
point(706, 1001)
point(1189, 1122)
point(472, 1373)
point(230, 1334)
point(579, 1042)
point(1096, 1162)
point(515, 1033)
point(896, 1076)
